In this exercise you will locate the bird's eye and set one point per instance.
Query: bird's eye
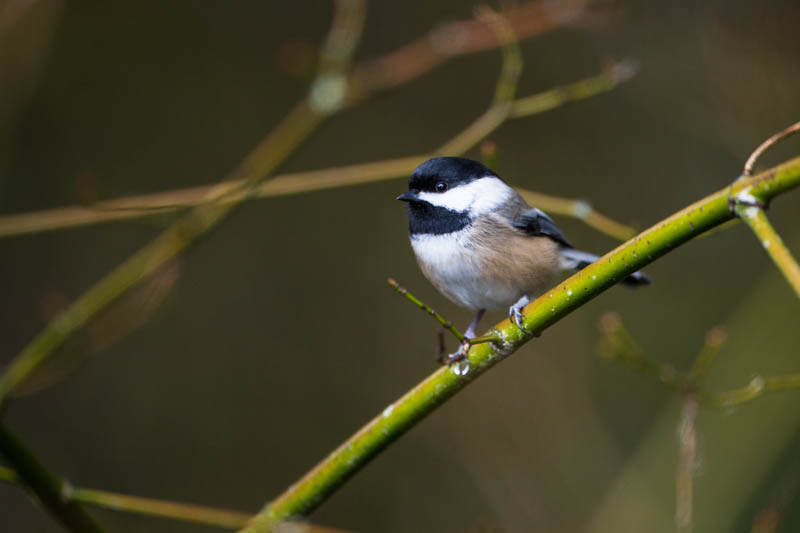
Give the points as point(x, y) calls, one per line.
point(441, 186)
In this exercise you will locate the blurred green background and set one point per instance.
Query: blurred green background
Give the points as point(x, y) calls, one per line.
point(275, 337)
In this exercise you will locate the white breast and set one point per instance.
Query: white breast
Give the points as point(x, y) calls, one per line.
point(455, 269)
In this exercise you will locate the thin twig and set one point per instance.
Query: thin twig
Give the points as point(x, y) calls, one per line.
point(766, 145)
point(756, 218)
point(484, 339)
point(326, 96)
point(315, 180)
point(505, 88)
point(457, 38)
point(715, 339)
point(281, 142)
point(612, 76)
point(754, 389)
point(511, 67)
point(51, 490)
point(396, 68)
point(662, 238)
point(446, 324)
point(162, 249)
point(185, 512)
point(618, 344)
point(687, 458)
point(148, 506)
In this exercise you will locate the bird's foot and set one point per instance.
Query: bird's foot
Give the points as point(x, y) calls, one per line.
point(458, 355)
point(517, 317)
point(458, 359)
point(515, 313)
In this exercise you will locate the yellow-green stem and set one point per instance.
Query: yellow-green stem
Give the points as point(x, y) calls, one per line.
point(231, 191)
point(395, 419)
point(757, 220)
point(242, 183)
point(446, 324)
point(757, 387)
point(162, 249)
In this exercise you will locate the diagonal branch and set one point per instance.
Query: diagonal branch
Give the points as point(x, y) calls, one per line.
point(457, 38)
point(227, 195)
point(750, 164)
point(752, 212)
point(146, 506)
point(756, 218)
point(322, 480)
point(757, 386)
point(446, 324)
point(270, 153)
point(618, 343)
point(140, 206)
point(50, 489)
point(185, 512)
point(329, 92)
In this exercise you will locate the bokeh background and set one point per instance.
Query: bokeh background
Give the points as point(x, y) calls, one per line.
point(275, 337)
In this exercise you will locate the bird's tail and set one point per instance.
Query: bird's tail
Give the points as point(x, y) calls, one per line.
point(572, 259)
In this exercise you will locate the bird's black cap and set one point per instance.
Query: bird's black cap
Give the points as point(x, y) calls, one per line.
point(453, 171)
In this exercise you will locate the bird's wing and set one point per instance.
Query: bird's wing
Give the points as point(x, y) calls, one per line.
point(536, 222)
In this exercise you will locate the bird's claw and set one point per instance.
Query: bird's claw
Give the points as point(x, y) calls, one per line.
point(460, 354)
point(457, 360)
point(516, 316)
point(515, 312)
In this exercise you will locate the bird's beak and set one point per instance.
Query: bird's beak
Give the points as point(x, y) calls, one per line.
point(408, 196)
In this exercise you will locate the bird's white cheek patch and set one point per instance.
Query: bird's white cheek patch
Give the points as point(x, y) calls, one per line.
point(478, 197)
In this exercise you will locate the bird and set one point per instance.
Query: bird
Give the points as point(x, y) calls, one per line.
point(481, 245)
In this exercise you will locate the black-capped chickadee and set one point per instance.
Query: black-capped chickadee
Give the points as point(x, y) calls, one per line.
point(481, 244)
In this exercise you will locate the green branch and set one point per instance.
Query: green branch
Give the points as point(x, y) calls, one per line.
point(218, 202)
point(389, 71)
point(187, 512)
point(231, 191)
point(617, 343)
point(757, 220)
point(51, 490)
point(398, 417)
point(157, 508)
point(293, 130)
point(755, 388)
point(446, 324)
point(751, 210)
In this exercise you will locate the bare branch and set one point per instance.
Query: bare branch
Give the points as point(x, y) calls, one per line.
point(446, 324)
point(756, 218)
point(687, 458)
point(664, 237)
point(50, 489)
point(282, 141)
point(766, 145)
point(302, 182)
